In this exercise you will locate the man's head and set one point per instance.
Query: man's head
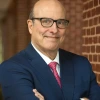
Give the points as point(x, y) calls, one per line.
point(47, 34)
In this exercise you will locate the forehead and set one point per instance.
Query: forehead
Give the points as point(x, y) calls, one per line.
point(49, 9)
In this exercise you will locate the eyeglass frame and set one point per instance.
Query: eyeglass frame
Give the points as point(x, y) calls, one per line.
point(52, 20)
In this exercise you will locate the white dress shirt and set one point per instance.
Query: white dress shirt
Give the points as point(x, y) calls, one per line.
point(48, 60)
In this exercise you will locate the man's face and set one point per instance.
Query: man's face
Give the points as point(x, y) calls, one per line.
point(47, 39)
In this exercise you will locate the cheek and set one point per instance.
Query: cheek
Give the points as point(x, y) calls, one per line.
point(62, 34)
point(38, 34)
point(37, 31)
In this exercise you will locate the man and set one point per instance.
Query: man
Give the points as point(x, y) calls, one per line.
point(31, 68)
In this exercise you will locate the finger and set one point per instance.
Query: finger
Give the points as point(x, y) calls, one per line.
point(34, 90)
point(38, 95)
point(84, 99)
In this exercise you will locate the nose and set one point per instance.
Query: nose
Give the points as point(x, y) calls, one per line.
point(54, 28)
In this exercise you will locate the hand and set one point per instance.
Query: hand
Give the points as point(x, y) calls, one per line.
point(38, 95)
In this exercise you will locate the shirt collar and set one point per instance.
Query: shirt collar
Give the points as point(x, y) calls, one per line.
point(45, 58)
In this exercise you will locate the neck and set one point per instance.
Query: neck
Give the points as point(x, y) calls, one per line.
point(49, 53)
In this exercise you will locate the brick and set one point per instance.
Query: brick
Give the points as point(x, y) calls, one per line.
point(84, 31)
point(97, 10)
point(98, 30)
point(95, 20)
point(99, 19)
point(96, 2)
point(90, 40)
point(88, 32)
point(86, 6)
point(83, 40)
point(90, 22)
point(98, 67)
point(99, 39)
point(95, 40)
point(93, 31)
point(88, 49)
point(84, 15)
point(93, 12)
point(86, 23)
point(90, 58)
point(98, 78)
point(86, 40)
point(97, 49)
point(90, 4)
point(93, 51)
point(84, 49)
point(98, 58)
point(95, 58)
point(89, 14)
point(94, 67)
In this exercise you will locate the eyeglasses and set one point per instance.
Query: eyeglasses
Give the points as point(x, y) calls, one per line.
point(48, 22)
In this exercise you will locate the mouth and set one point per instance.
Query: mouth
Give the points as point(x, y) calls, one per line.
point(52, 37)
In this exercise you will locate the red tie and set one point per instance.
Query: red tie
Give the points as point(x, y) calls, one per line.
point(53, 67)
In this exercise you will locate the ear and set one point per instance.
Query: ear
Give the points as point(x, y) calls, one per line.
point(30, 25)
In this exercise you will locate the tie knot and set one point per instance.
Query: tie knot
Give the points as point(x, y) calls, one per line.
point(53, 65)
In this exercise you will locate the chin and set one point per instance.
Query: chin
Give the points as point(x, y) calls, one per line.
point(49, 46)
point(52, 48)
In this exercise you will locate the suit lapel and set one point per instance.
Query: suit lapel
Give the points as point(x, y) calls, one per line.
point(67, 75)
point(43, 71)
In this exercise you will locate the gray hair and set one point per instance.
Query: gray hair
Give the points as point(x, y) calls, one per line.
point(31, 15)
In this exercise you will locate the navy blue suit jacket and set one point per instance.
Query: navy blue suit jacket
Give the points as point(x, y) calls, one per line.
point(27, 70)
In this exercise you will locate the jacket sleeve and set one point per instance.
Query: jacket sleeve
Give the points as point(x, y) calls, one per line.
point(16, 82)
point(85, 80)
point(94, 87)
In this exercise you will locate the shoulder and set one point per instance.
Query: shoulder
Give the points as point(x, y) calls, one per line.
point(14, 69)
point(81, 65)
point(20, 59)
point(78, 61)
point(71, 55)
point(19, 63)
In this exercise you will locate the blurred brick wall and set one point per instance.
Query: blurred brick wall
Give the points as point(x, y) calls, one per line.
point(91, 34)
point(73, 40)
point(21, 24)
point(15, 34)
point(8, 36)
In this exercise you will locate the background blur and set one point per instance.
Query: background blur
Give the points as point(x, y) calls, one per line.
point(82, 36)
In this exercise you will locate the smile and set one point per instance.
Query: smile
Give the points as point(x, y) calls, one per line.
point(51, 37)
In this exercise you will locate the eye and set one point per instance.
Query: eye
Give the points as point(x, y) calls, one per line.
point(62, 22)
point(46, 21)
